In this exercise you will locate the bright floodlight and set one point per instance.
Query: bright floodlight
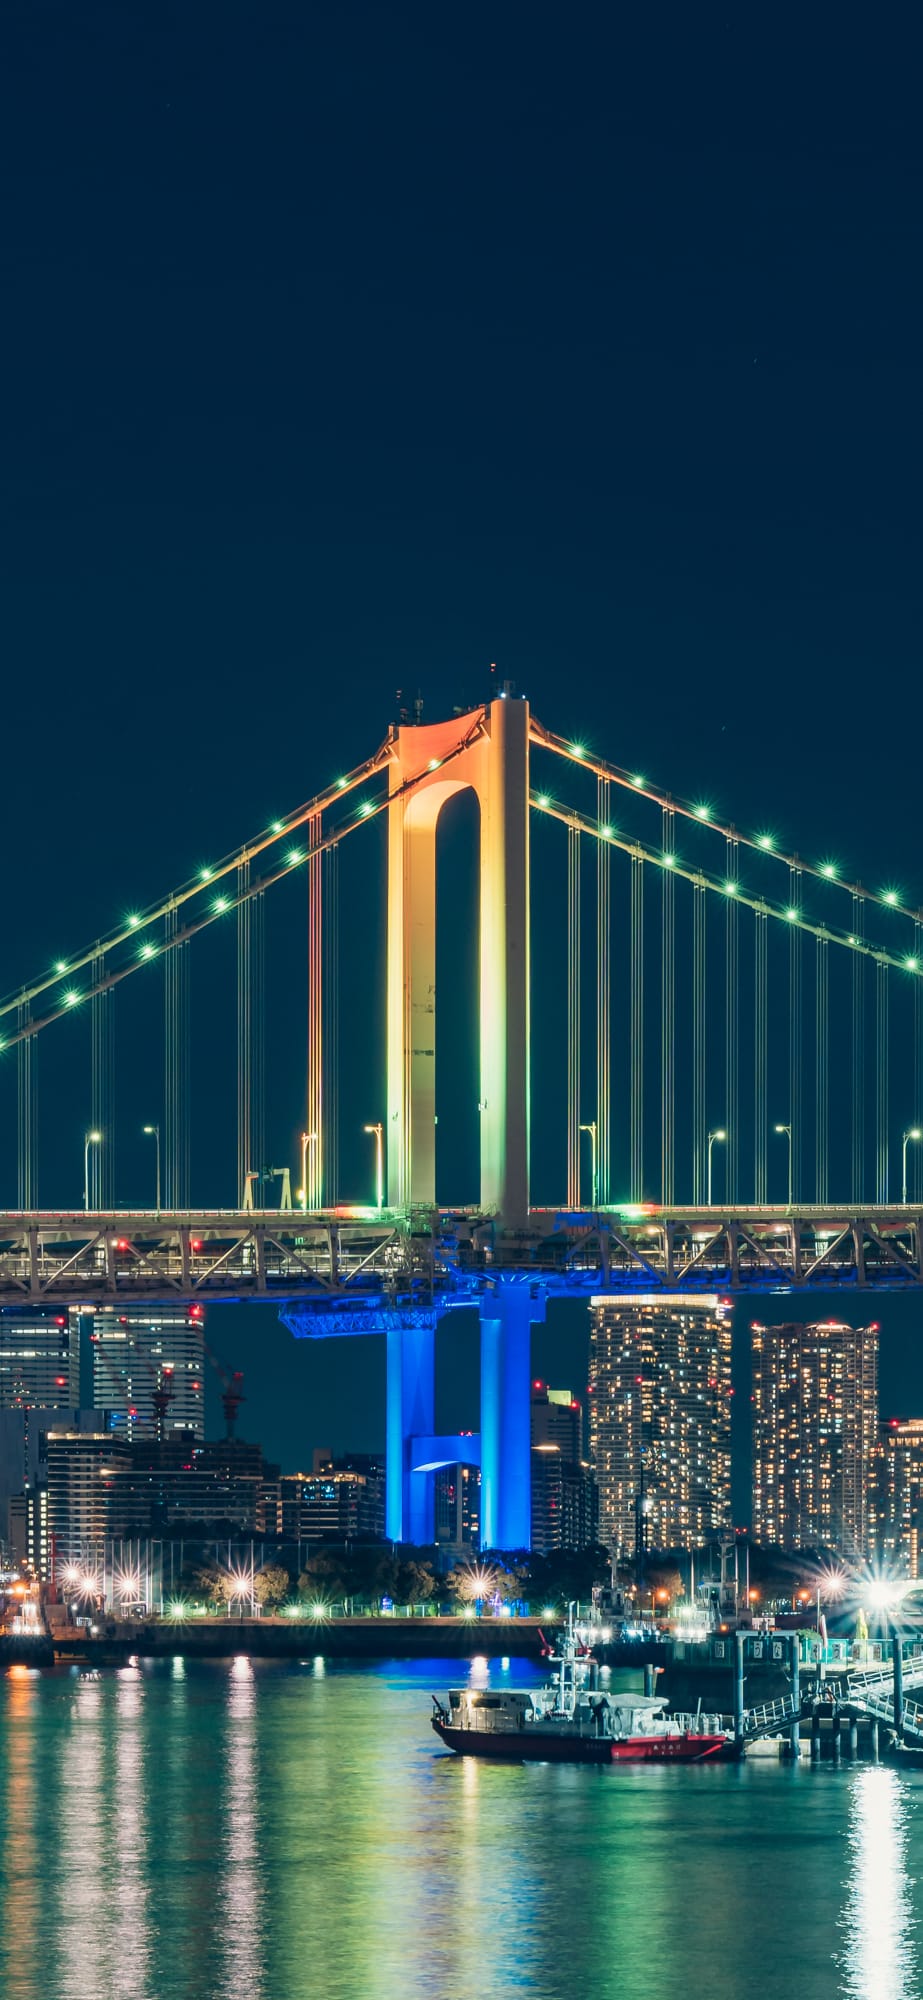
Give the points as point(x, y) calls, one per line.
point(637, 779)
point(95, 1138)
point(764, 840)
point(890, 896)
point(828, 868)
point(884, 1592)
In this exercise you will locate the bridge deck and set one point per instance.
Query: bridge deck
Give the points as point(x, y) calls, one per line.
point(365, 1259)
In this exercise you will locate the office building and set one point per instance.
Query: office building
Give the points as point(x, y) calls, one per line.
point(139, 1356)
point(815, 1427)
point(565, 1496)
point(896, 1496)
point(660, 1423)
point(178, 1487)
point(23, 1455)
point(338, 1503)
point(39, 1361)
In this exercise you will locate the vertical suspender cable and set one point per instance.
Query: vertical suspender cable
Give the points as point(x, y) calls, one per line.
point(882, 1009)
point(330, 1163)
point(101, 1181)
point(794, 1035)
point(603, 998)
point(914, 1178)
point(731, 1029)
point(245, 1164)
point(667, 1017)
point(258, 1027)
point(637, 1027)
point(25, 1108)
point(821, 1072)
point(176, 1069)
point(858, 1054)
point(314, 1151)
point(760, 1056)
point(573, 1017)
point(699, 1141)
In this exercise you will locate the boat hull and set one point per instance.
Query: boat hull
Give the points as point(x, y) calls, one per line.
point(525, 1747)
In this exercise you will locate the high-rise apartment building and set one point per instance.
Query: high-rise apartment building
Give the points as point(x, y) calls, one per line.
point(660, 1418)
point(138, 1355)
point(896, 1496)
point(457, 1506)
point(815, 1427)
point(565, 1509)
point(39, 1361)
point(73, 1507)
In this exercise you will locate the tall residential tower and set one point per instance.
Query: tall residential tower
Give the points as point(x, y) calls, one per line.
point(815, 1427)
point(660, 1418)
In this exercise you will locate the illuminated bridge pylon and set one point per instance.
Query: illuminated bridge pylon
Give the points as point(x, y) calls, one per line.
point(488, 753)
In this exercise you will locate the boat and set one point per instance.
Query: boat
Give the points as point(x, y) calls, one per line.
point(572, 1720)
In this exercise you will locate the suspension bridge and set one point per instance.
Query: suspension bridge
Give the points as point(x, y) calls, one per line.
point(720, 973)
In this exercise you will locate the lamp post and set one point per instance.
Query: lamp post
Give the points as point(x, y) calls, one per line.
point(591, 1128)
point(720, 1134)
point(153, 1132)
point(788, 1131)
point(378, 1132)
point(912, 1133)
point(90, 1139)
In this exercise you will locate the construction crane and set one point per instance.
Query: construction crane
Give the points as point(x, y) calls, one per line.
point(232, 1389)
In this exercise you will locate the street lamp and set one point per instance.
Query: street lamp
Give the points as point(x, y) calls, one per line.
point(721, 1135)
point(153, 1132)
point(788, 1130)
point(90, 1139)
point(591, 1128)
point(379, 1135)
point(914, 1132)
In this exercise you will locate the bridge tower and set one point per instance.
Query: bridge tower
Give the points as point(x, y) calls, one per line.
point(486, 751)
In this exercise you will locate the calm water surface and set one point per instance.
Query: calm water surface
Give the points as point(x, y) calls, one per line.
point(276, 1832)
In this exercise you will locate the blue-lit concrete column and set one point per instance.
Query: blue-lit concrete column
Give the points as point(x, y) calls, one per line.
point(507, 1315)
point(409, 1414)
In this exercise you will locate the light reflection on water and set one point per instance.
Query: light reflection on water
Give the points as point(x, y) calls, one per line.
point(239, 1882)
point(879, 1962)
point(231, 1832)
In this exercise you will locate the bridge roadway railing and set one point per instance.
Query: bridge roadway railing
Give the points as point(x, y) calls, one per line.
point(364, 1258)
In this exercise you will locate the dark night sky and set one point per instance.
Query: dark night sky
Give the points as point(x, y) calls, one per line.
point(352, 348)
